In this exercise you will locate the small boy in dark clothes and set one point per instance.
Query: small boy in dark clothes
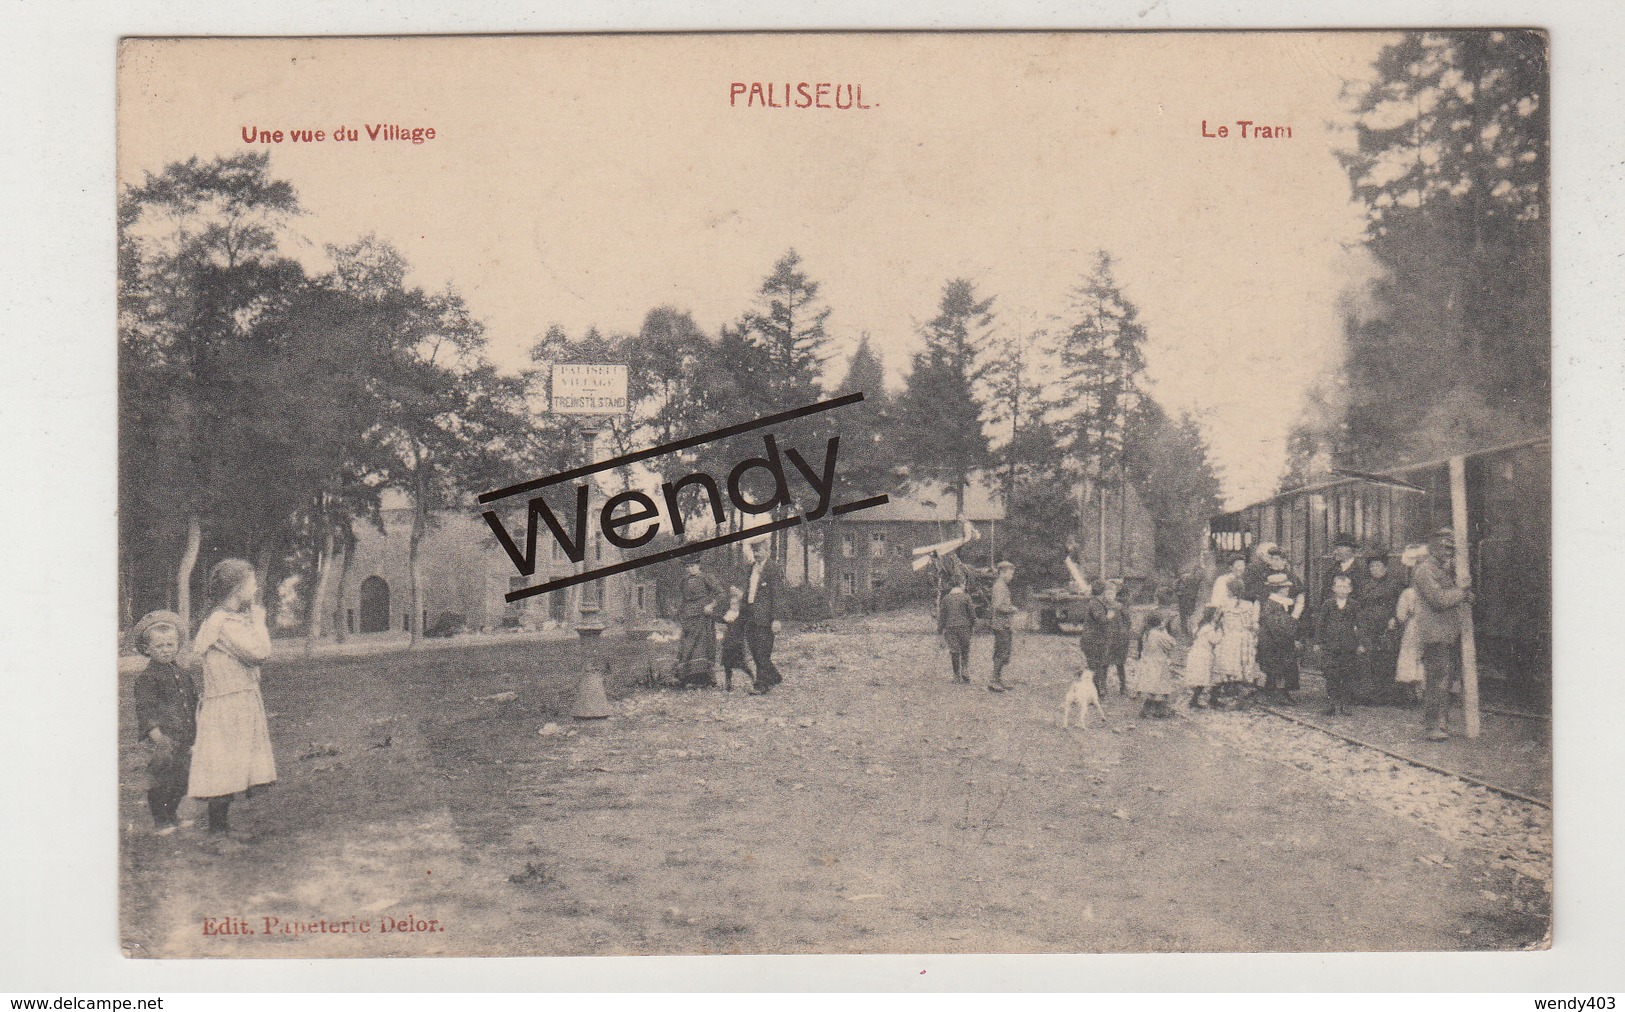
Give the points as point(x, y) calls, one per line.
point(733, 639)
point(956, 617)
point(1337, 631)
point(166, 716)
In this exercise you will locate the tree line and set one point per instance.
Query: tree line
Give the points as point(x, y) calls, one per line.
point(266, 408)
point(1448, 350)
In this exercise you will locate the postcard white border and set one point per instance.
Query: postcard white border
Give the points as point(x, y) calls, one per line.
point(58, 877)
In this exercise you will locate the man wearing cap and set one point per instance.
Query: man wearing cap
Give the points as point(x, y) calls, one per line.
point(1002, 608)
point(1344, 563)
point(1438, 624)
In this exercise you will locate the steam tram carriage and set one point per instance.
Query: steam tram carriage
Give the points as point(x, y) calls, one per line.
point(1509, 497)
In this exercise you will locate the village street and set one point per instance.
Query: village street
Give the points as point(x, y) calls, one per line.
point(868, 805)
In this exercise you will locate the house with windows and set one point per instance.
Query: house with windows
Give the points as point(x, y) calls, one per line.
point(868, 554)
point(466, 573)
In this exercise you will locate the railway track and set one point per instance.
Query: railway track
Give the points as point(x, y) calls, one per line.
point(1411, 760)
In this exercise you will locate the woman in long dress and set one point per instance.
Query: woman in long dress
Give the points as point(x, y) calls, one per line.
point(1235, 659)
point(696, 651)
point(1408, 663)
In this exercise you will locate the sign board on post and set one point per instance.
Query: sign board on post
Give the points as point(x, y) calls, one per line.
point(583, 389)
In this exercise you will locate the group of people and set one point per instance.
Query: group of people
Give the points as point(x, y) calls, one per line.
point(202, 717)
point(1107, 639)
point(205, 722)
point(1376, 636)
point(748, 619)
point(956, 620)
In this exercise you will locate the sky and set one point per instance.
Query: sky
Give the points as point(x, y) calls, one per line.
point(583, 180)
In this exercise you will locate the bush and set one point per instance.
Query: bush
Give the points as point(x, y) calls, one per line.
point(447, 625)
point(806, 603)
point(911, 589)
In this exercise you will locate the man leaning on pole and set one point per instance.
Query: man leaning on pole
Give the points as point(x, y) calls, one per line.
point(1439, 627)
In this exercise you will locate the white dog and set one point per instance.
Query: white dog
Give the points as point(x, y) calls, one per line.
point(1081, 694)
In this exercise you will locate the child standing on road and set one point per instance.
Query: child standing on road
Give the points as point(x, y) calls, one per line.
point(233, 750)
point(734, 653)
point(1199, 660)
point(956, 617)
point(1119, 633)
point(1154, 672)
point(1337, 635)
point(165, 715)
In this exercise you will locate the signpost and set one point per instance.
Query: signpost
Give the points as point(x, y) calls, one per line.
point(594, 390)
point(583, 389)
point(1464, 576)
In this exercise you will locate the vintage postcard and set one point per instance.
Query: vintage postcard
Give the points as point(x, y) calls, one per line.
point(1028, 492)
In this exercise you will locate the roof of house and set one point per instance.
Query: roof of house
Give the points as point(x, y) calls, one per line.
point(931, 502)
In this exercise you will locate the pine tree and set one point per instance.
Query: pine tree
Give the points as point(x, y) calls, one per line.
point(1018, 397)
point(869, 461)
point(1102, 354)
point(1170, 467)
point(788, 324)
point(1102, 362)
point(1452, 351)
point(941, 411)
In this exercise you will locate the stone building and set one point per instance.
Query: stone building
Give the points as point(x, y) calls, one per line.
point(868, 554)
point(466, 573)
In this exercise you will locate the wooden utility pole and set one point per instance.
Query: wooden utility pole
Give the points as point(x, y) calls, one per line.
point(1102, 488)
point(1464, 577)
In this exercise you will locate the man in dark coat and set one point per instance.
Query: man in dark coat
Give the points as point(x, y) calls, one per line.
point(1093, 638)
point(1119, 623)
point(956, 618)
point(1338, 641)
point(1345, 562)
point(762, 589)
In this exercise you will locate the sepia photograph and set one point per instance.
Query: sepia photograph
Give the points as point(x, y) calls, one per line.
point(834, 493)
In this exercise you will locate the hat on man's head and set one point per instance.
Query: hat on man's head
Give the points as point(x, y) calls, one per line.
point(1444, 537)
point(1345, 541)
point(1007, 565)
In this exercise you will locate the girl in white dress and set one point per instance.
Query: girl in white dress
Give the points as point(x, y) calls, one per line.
point(233, 749)
point(1235, 659)
point(1198, 674)
point(1408, 669)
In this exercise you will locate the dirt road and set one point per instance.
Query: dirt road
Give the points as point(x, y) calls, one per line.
point(867, 806)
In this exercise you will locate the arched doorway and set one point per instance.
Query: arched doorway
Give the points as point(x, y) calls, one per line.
point(374, 605)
